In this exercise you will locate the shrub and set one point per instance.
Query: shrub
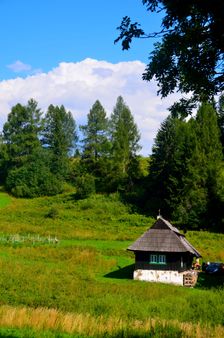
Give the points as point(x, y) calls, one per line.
point(85, 186)
point(33, 181)
point(53, 213)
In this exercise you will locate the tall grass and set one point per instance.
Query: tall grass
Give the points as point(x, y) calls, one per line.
point(98, 217)
point(97, 281)
point(78, 323)
point(210, 245)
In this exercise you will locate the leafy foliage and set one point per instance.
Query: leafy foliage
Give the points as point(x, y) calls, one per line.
point(85, 186)
point(190, 56)
point(33, 178)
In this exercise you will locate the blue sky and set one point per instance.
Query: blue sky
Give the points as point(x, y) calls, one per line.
point(63, 52)
point(43, 33)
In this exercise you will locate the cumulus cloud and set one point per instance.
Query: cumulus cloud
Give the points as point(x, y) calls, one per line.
point(78, 85)
point(103, 72)
point(19, 66)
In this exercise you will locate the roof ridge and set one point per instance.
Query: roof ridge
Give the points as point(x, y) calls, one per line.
point(169, 224)
point(165, 239)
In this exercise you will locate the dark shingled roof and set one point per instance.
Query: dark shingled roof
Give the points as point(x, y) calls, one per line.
point(163, 237)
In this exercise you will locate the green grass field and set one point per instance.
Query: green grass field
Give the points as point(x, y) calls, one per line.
point(4, 200)
point(81, 285)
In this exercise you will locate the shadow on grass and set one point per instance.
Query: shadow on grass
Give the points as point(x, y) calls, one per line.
point(122, 273)
point(206, 281)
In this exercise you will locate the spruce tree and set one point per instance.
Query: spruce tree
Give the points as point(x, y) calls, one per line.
point(96, 146)
point(59, 138)
point(167, 166)
point(21, 132)
point(199, 205)
point(186, 172)
point(26, 164)
point(124, 138)
point(221, 118)
point(95, 141)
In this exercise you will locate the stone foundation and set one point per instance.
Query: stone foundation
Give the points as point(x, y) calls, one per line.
point(171, 277)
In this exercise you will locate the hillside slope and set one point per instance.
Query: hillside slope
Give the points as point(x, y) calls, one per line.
point(70, 256)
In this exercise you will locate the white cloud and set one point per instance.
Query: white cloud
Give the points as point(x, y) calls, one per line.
point(19, 66)
point(78, 85)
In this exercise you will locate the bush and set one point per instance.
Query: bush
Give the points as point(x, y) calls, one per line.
point(52, 213)
point(85, 186)
point(33, 180)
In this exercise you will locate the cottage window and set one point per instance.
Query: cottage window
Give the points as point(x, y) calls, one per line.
point(157, 259)
point(162, 259)
point(153, 259)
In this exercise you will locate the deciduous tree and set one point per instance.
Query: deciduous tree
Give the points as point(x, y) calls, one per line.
point(189, 56)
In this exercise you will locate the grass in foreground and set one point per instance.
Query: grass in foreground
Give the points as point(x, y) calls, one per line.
point(88, 274)
point(42, 322)
point(97, 280)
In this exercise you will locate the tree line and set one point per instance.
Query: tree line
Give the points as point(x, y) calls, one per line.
point(186, 173)
point(39, 153)
point(186, 176)
point(183, 178)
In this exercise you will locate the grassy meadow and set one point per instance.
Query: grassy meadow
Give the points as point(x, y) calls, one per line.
point(65, 272)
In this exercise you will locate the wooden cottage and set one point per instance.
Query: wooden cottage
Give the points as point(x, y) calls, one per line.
point(162, 254)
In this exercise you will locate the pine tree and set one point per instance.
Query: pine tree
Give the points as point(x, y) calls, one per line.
point(221, 118)
point(95, 142)
point(21, 132)
point(186, 171)
point(59, 137)
point(200, 204)
point(167, 165)
point(26, 164)
point(124, 138)
point(95, 160)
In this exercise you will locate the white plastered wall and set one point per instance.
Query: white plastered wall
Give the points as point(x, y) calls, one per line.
point(172, 277)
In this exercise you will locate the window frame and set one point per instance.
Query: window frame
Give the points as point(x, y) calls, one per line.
point(153, 259)
point(162, 259)
point(157, 259)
